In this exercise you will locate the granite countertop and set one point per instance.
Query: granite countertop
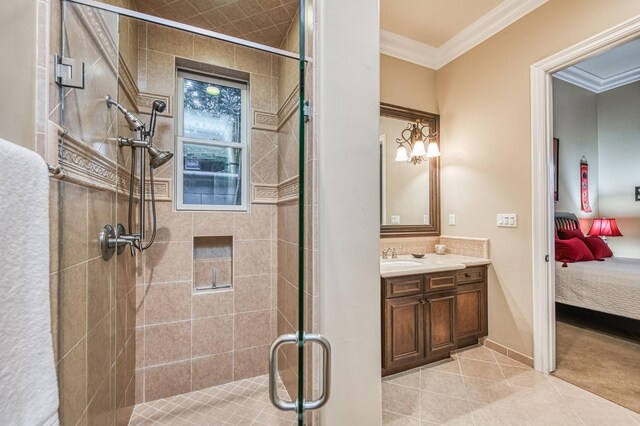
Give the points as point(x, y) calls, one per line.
point(431, 262)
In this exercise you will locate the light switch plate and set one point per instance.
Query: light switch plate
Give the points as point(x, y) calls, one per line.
point(507, 220)
point(452, 219)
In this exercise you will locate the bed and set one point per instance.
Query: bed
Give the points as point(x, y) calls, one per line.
point(612, 286)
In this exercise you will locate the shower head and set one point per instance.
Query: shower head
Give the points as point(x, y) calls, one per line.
point(159, 105)
point(135, 124)
point(157, 158)
point(156, 107)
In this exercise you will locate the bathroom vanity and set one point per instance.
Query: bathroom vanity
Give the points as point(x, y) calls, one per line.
point(430, 307)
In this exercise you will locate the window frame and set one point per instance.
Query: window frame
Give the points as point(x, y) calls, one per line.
point(243, 145)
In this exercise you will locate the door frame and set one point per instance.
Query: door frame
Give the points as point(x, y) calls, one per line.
point(544, 318)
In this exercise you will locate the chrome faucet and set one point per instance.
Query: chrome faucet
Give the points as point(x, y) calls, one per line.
point(392, 250)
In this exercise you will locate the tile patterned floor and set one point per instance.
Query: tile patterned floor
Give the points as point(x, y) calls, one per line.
point(477, 387)
point(244, 402)
point(482, 387)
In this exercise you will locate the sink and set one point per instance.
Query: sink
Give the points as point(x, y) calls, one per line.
point(400, 262)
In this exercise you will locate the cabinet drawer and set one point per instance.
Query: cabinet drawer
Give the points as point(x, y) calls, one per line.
point(403, 286)
point(470, 275)
point(441, 281)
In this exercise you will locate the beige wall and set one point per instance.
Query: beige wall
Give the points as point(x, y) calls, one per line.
point(408, 85)
point(18, 24)
point(484, 99)
point(618, 134)
point(575, 124)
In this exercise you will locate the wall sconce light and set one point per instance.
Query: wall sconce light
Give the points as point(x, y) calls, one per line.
point(604, 228)
point(415, 136)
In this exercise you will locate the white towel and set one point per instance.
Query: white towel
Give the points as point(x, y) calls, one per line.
point(28, 383)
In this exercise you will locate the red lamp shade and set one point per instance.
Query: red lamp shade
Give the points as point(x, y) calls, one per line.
point(605, 228)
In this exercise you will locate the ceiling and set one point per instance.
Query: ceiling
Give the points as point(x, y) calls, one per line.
point(260, 21)
point(431, 22)
point(608, 70)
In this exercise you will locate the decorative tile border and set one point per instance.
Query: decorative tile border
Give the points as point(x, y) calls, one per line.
point(161, 187)
point(289, 107)
point(273, 122)
point(264, 193)
point(265, 121)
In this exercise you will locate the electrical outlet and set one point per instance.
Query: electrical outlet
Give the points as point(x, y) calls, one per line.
point(425, 219)
point(507, 220)
point(452, 219)
point(395, 220)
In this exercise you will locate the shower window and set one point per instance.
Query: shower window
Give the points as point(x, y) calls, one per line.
point(212, 143)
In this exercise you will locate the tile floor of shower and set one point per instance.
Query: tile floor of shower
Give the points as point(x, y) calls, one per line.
point(475, 387)
point(243, 402)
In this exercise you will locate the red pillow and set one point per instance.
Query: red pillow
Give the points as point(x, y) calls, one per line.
point(597, 246)
point(573, 250)
point(567, 234)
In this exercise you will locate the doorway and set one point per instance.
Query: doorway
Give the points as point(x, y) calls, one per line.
point(545, 347)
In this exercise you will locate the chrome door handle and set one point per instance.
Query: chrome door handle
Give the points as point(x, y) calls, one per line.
point(326, 371)
point(273, 368)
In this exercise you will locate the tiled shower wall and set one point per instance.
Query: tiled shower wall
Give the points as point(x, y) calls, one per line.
point(188, 341)
point(93, 300)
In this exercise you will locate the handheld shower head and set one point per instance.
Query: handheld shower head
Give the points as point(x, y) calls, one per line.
point(159, 105)
point(156, 107)
point(157, 158)
point(135, 124)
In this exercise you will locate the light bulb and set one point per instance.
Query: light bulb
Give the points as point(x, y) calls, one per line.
point(418, 149)
point(401, 154)
point(433, 150)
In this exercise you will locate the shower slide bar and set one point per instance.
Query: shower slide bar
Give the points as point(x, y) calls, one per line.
point(189, 28)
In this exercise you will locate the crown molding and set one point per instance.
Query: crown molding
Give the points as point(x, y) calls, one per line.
point(409, 50)
point(586, 80)
point(505, 14)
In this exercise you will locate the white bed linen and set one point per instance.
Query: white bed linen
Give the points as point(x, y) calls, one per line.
point(612, 286)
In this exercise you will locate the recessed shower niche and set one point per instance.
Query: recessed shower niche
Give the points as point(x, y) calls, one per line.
point(212, 263)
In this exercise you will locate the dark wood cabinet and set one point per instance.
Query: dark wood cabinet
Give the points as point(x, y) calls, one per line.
point(440, 322)
point(404, 336)
point(471, 312)
point(425, 317)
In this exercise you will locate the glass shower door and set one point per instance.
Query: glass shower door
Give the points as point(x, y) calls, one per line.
point(310, 351)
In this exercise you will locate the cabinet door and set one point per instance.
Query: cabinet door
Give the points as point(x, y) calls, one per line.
point(471, 311)
point(440, 323)
point(403, 331)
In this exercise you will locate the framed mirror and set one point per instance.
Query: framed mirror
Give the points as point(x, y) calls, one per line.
point(409, 172)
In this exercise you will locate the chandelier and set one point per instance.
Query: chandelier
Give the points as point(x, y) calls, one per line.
point(414, 138)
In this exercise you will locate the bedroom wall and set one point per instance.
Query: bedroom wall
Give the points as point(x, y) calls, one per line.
point(575, 123)
point(619, 155)
point(485, 108)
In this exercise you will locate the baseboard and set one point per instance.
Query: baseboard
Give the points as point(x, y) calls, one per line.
point(515, 355)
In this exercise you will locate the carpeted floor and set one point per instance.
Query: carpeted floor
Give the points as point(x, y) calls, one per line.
point(602, 363)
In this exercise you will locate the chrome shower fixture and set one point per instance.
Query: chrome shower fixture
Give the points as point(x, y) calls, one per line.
point(157, 158)
point(116, 238)
point(135, 124)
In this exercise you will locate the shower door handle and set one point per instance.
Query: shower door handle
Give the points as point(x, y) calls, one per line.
point(285, 339)
point(326, 371)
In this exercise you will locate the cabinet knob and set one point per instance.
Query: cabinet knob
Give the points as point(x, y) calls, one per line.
point(466, 275)
point(421, 301)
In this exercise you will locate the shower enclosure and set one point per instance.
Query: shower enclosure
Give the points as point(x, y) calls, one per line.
point(213, 322)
